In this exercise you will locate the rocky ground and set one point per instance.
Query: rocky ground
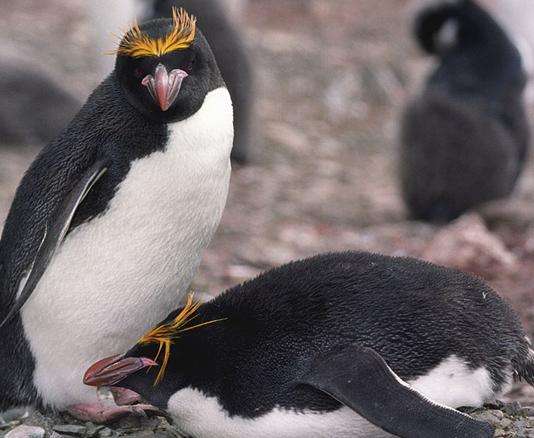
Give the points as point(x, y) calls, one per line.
point(332, 80)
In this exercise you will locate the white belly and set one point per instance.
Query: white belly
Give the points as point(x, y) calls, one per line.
point(199, 416)
point(122, 272)
point(452, 383)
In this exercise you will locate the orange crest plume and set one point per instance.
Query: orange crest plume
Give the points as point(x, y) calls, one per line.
point(165, 333)
point(138, 44)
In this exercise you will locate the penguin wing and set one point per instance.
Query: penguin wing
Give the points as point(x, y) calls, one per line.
point(54, 234)
point(360, 379)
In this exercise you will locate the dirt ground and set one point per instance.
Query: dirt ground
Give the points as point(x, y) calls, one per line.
point(332, 79)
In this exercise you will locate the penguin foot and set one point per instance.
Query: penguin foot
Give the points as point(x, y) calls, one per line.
point(123, 396)
point(100, 413)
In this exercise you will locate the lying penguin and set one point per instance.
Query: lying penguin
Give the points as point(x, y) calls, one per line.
point(232, 58)
point(464, 139)
point(331, 346)
point(109, 223)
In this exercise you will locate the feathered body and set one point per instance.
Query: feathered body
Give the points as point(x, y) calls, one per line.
point(135, 241)
point(446, 333)
point(465, 138)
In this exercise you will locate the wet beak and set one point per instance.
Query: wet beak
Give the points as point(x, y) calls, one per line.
point(163, 86)
point(110, 371)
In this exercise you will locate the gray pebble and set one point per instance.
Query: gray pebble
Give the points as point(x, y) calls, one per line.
point(142, 434)
point(492, 416)
point(26, 432)
point(513, 409)
point(105, 432)
point(70, 429)
point(15, 414)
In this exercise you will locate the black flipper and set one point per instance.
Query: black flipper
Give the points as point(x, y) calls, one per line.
point(360, 379)
point(55, 233)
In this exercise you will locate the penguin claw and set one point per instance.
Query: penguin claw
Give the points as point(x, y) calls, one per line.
point(99, 413)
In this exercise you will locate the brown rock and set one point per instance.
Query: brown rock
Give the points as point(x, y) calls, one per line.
point(468, 245)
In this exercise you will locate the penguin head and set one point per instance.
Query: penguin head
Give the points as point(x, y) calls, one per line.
point(167, 359)
point(166, 67)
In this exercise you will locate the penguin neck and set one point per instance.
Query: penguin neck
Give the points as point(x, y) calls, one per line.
point(205, 133)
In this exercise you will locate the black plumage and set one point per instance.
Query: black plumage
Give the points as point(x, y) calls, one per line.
point(273, 328)
point(465, 138)
point(107, 130)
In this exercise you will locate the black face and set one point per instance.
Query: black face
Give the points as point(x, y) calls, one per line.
point(171, 87)
point(142, 381)
point(137, 370)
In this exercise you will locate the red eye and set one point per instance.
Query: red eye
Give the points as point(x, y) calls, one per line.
point(139, 73)
point(190, 65)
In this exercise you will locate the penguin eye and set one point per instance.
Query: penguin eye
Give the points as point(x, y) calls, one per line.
point(139, 73)
point(191, 64)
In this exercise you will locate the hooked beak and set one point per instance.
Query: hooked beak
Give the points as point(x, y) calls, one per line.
point(111, 370)
point(163, 86)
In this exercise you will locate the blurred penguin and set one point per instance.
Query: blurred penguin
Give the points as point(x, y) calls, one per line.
point(517, 17)
point(34, 107)
point(465, 138)
point(219, 19)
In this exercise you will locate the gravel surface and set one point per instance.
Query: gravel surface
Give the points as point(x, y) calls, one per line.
point(332, 80)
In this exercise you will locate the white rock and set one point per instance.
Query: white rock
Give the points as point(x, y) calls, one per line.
point(26, 432)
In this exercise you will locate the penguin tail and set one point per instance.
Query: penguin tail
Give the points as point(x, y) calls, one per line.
point(524, 369)
point(435, 24)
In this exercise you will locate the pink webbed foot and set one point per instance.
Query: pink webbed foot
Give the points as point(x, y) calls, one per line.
point(103, 413)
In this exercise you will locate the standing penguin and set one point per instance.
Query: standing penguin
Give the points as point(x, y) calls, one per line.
point(464, 139)
point(302, 349)
point(232, 58)
point(109, 223)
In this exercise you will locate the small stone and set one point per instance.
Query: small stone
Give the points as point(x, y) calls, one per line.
point(70, 429)
point(467, 244)
point(15, 414)
point(26, 432)
point(506, 423)
point(513, 409)
point(499, 433)
point(527, 411)
point(105, 432)
point(92, 429)
point(493, 417)
point(144, 434)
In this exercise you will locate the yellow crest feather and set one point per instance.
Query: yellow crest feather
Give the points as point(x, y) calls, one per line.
point(165, 333)
point(137, 44)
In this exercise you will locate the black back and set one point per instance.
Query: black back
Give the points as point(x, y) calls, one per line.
point(412, 313)
point(232, 58)
point(465, 139)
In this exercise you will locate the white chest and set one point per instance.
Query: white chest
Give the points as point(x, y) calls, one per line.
point(124, 271)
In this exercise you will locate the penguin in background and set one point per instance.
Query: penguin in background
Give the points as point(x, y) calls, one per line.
point(24, 85)
point(232, 57)
point(108, 225)
point(337, 345)
point(465, 137)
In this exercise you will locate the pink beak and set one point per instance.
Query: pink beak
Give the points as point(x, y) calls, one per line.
point(163, 86)
point(111, 370)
